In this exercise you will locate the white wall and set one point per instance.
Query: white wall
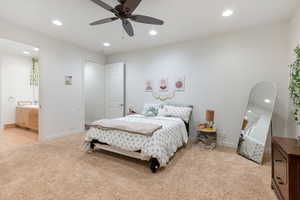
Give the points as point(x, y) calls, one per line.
point(62, 110)
point(220, 72)
point(94, 91)
point(294, 29)
point(15, 79)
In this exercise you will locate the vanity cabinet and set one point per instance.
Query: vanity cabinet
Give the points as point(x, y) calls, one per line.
point(286, 168)
point(27, 118)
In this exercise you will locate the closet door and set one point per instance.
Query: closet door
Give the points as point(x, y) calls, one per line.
point(94, 92)
point(114, 90)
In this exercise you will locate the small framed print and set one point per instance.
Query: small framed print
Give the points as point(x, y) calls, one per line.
point(180, 84)
point(68, 80)
point(148, 86)
point(163, 85)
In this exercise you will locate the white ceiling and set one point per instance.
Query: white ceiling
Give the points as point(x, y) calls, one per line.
point(16, 48)
point(184, 20)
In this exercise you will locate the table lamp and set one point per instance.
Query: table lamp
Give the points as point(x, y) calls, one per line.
point(210, 116)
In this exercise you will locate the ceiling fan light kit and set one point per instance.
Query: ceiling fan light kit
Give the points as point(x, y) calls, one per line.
point(124, 12)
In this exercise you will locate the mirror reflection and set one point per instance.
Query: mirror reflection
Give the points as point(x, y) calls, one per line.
point(256, 121)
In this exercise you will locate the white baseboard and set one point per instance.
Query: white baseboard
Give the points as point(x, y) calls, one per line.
point(61, 134)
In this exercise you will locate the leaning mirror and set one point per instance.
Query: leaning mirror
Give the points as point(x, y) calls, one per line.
point(256, 121)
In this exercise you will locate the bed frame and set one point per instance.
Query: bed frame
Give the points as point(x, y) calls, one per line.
point(153, 162)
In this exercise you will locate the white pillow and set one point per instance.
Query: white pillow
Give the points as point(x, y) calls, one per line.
point(173, 111)
point(150, 109)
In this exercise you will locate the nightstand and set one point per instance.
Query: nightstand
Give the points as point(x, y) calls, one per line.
point(207, 137)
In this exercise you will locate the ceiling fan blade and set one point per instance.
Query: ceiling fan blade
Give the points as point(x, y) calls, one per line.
point(146, 20)
point(105, 6)
point(103, 21)
point(128, 27)
point(130, 5)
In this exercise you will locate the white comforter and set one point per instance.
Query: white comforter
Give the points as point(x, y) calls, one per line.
point(161, 145)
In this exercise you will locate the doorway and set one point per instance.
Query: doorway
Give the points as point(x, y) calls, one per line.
point(104, 87)
point(19, 92)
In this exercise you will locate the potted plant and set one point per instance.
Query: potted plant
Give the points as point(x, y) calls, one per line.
point(294, 87)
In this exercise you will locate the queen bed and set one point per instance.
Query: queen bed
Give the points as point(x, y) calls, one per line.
point(153, 137)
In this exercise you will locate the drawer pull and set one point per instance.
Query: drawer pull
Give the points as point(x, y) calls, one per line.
point(278, 160)
point(279, 180)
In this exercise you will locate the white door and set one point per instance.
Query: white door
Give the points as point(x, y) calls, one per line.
point(114, 90)
point(94, 92)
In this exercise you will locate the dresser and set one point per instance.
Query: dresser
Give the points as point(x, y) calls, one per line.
point(286, 168)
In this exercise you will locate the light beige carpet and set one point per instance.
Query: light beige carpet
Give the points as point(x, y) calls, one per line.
point(59, 170)
point(14, 138)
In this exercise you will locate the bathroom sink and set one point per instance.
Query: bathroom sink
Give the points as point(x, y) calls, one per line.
point(29, 106)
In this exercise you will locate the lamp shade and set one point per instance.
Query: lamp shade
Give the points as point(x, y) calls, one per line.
point(210, 115)
point(245, 123)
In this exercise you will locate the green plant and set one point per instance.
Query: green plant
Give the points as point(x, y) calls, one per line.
point(294, 87)
point(34, 76)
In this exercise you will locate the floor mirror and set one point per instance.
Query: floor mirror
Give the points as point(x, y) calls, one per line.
point(257, 121)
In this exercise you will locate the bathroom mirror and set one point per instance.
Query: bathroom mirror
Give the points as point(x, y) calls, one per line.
point(256, 122)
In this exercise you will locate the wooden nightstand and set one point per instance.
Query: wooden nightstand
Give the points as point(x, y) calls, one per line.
point(207, 137)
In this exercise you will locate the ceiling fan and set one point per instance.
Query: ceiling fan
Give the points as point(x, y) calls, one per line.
point(124, 12)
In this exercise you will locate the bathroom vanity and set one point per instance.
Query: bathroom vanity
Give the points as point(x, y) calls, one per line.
point(28, 117)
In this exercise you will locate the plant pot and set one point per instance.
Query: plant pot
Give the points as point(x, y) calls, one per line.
point(297, 130)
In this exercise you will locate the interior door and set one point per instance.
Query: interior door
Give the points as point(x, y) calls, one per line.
point(94, 92)
point(114, 90)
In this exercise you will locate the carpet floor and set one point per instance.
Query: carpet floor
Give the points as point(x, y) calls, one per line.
point(14, 138)
point(60, 170)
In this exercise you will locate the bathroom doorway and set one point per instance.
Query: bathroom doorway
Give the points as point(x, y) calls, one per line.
point(19, 92)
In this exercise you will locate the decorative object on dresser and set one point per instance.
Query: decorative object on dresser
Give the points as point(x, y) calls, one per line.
point(207, 137)
point(256, 122)
point(286, 168)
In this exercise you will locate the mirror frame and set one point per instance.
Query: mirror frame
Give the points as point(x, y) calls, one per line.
point(244, 124)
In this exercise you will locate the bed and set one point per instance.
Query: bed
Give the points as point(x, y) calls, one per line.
point(157, 148)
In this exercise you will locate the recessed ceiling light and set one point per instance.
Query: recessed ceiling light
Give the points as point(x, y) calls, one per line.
point(153, 32)
point(57, 23)
point(227, 13)
point(36, 49)
point(249, 111)
point(267, 101)
point(26, 53)
point(106, 44)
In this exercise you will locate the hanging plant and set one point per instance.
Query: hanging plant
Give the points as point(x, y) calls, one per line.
point(294, 87)
point(34, 76)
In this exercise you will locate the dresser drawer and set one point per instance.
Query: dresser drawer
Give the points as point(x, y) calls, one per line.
point(280, 172)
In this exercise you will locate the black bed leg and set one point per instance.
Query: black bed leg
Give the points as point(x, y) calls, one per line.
point(154, 165)
point(92, 145)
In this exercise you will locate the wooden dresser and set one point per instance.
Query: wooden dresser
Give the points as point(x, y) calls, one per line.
point(286, 168)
